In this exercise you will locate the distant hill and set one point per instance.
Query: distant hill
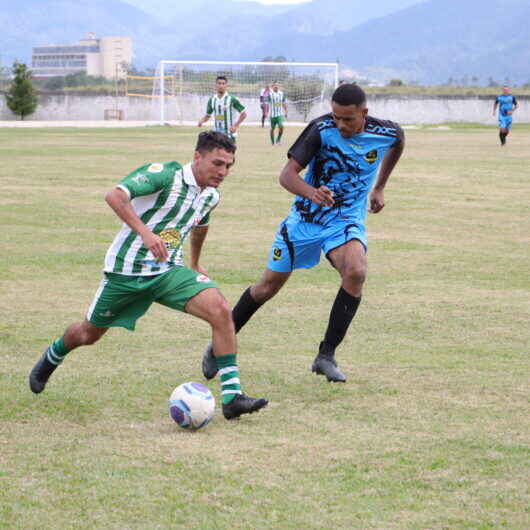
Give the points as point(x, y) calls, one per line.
point(429, 42)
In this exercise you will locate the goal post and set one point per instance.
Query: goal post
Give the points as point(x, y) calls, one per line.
point(181, 88)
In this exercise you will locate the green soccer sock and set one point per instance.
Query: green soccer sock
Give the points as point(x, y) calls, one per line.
point(57, 351)
point(272, 136)
point(279, 136)
point(229, 374)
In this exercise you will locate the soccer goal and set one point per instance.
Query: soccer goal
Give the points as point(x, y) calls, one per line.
point(181, 88)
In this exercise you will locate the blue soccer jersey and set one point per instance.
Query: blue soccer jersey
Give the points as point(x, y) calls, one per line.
point(347, 166)
point(506, 103)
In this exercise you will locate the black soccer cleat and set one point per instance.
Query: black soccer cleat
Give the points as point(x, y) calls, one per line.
point(242, 404)
point(209, 363)
point(41, 372)
point(325, 364)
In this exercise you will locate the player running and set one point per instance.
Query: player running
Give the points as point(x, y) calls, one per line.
point(160, 205)
point(223, 105)
point(278, 112)
point(507, 106)
point(345, 152)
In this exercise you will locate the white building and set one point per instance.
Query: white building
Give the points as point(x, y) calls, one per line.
point(99, 57)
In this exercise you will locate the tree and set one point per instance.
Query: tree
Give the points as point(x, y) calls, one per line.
point(21, 97)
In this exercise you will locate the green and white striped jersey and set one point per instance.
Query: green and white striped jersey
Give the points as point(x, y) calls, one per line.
point(169, 201)
point(222, 109)
point(276, 101)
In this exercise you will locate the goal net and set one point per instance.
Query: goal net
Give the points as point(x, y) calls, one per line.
point(181, 88)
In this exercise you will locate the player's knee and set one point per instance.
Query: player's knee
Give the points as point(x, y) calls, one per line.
point(90, 335)
point(220, 312)
point(355, 273)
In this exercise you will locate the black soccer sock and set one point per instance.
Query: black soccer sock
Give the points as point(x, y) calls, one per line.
point(342, 313)
point(244, 309)
point(502, 136)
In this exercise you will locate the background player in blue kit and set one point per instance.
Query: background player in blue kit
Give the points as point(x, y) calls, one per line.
point(507, 106)
point(343, 151)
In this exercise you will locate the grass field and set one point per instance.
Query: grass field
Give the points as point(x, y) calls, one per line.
point(431, 429)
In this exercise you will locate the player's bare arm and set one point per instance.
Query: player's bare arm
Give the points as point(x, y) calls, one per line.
point(120, 203)
point(239, 121)
point(290, 179)
point(377, 195)
point(197, 238)
point(203, 120)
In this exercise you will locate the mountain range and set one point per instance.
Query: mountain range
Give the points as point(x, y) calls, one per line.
point(427, 41)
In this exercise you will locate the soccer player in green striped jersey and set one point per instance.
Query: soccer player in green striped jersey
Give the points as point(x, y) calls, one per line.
point(278, 112)
point(161, 204)
point(223, 105)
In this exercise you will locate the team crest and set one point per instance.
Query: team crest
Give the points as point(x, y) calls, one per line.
point(276, 254)
point(171, 237)
point(155, 168)
point(371, 156)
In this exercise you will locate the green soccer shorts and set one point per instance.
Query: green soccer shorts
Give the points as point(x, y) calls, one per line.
point(277, 121)
point(121, 300)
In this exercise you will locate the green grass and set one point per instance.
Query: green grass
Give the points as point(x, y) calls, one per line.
point(431, 429)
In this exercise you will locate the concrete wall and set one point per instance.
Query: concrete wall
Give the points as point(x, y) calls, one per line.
point(403, 109)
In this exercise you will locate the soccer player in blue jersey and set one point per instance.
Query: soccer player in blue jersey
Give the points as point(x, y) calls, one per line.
point(507, 105)
point(345, 153)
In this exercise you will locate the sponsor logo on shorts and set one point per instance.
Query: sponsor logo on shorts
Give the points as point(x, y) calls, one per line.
point(106, 313)
point(202, 278)
point(155, 168)
point(276, 254)
point(371, 156)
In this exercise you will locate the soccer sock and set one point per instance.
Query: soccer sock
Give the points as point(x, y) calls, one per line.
point(57, 351)
point(244, 309)
point(279, 136)
point(272, 136)
point(502, 136)
point(342, 313)
point(229, 375)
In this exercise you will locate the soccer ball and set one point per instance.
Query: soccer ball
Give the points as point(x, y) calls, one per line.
point(191, 405)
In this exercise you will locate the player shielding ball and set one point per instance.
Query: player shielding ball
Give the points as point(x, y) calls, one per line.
point(507, 106)
point(345, 152)
point(161, 205)
point(223, 107)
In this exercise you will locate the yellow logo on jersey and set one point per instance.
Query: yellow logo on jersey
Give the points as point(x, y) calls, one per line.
point(371, 156)
point(219, 117)
point(171, 237)
point(155, 168)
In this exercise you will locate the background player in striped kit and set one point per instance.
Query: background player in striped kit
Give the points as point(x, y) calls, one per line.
point(160, 205)
point(507, 106)
point(223, 105)
point(264, 103)
point(278, 111)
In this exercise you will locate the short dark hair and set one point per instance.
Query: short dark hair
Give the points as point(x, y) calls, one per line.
point(349, 94)
point(221, 77)
point(210, 140)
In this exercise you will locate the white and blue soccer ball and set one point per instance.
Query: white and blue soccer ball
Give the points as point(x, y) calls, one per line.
point(192, 405)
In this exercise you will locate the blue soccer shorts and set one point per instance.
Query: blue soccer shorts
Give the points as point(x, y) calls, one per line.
point(297, 245)
point(505, 122)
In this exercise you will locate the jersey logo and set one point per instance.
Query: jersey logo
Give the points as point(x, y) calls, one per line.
point(140, 178)
point(171, 237)
point(155, 168)
point(371, 156)
point(276, 254)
